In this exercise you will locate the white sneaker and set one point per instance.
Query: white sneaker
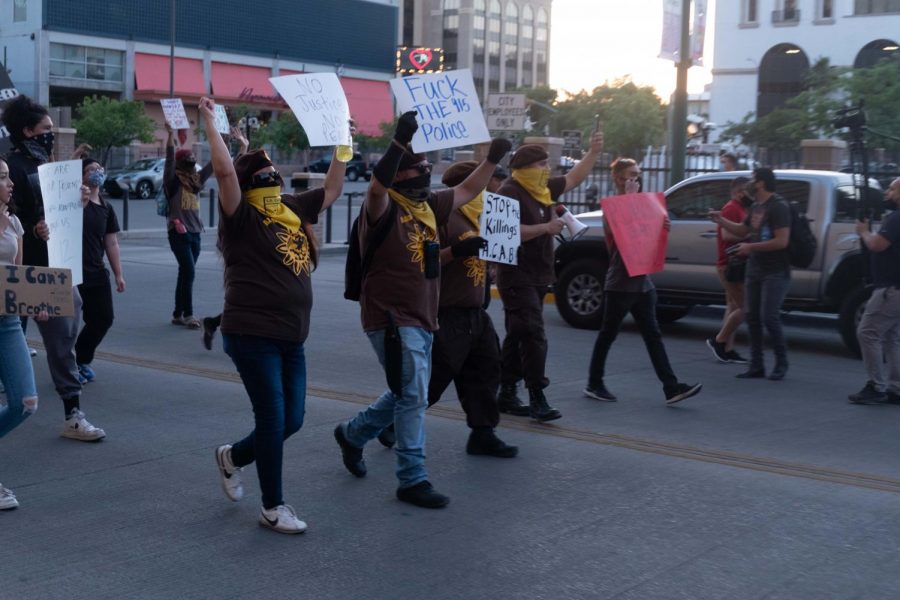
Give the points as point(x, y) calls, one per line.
point(32, 352)
point(7, 499)
point(231, 475)
point(282, 519)
point(78, 428)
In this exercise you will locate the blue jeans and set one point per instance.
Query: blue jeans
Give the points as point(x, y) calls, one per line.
point(17, 375)
point(406, 411)
point(186, 248)
point(764, 296)
point(274, 375)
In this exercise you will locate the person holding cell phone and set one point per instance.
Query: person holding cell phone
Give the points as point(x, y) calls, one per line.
point(399, 302)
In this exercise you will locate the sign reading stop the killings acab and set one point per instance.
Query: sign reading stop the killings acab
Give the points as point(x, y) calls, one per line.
point(28, 290)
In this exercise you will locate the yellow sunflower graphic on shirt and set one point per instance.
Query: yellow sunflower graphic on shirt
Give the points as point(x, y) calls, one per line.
point(416, 245)
point(476, 269)
point(294, 250)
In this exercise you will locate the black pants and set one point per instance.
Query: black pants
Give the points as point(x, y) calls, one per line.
point(97, 313)
point(466, 351)
point(524, 353)
point(642, 306)
point(186, 248)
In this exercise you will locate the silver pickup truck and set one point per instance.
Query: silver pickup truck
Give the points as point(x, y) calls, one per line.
point(833, 283)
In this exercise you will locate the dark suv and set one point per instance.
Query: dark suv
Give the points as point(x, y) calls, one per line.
point(356, 167)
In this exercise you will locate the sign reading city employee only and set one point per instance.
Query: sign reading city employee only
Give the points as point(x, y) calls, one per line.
point(499, 225)
point(28, 290)
point(449, 114)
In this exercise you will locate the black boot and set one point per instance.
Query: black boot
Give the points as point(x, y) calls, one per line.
point(539, 409)
point(485, 442)
point(508, 402)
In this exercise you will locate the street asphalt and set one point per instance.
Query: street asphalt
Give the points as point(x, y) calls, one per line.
point(752, 489)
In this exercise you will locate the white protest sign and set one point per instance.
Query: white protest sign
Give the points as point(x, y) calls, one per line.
point(222, 125)
point(319, 103)
point(173, 110)
point(499, 225)
point(64, 214)
point(449, 114)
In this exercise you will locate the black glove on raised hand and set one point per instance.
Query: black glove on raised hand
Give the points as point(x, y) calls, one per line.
point(406, 127)
point(499, 148)
point(468, 247)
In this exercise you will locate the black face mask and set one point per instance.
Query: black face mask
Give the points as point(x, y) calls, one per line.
point(45, 141)
point(264, 180)
point(415, 188)
point(187, 164)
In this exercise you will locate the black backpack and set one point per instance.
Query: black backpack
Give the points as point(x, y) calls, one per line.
point(802, 244)
point(357, 265)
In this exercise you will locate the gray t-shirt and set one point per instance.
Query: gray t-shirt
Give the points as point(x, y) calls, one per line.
point(764, 218)
point(9, 241)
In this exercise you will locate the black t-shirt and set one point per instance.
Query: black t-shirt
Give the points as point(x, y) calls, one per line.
point(886, 264)
point(99, 221)
point(23, 171)
point(764, 218)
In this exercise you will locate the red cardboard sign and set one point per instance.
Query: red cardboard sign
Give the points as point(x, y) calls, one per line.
point(637, 221)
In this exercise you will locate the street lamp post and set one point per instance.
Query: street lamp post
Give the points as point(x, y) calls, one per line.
point(678, 125)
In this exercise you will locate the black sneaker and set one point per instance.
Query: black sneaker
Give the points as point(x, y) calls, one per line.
point(422, 494)
point(869, 395)
point(486, 443)
point(599, 392)
point(387, 437)
point(352, 456)
point(718, 350)
point(682, 391)
point(209, 331)
point(736, 359)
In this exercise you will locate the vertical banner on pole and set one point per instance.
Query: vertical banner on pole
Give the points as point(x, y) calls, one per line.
point(698, 35)
point(671, 31)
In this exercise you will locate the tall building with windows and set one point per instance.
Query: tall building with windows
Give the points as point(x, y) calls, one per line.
point(59, 51)
point(506, 43)
point(763, 48)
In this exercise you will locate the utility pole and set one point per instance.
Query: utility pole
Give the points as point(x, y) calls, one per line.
point(678, 124)
point(172, 51)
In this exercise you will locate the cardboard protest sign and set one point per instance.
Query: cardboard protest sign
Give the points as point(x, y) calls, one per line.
point(173, 110)
point(222, 125)
point(64, 214)
point(449, 114)
point(499, 225)
point(637, 221)
point(27, 290)
point(7, 93)
point(319, 103)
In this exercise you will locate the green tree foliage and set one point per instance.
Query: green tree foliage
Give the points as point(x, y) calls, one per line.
point(105, 123)
point(879, 89)
point(284, 133)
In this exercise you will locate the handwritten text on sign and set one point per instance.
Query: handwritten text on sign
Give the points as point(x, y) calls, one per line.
point(64, 214)
point(637, 221)
point(173, 110)
point(499, 225)
point(27, 291)
point(319, 103)
point(222, 125)
point(449, 114)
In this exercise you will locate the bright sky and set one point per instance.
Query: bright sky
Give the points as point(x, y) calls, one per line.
point(592, 41)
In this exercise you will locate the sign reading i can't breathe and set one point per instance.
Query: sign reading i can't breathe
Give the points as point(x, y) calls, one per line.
point(319, 103)
point(499, 225)
point(448, 111)
point(27, 291)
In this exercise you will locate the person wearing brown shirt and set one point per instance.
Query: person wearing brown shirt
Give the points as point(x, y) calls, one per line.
point(523, 286)
point(269, 253)
point(399, 302)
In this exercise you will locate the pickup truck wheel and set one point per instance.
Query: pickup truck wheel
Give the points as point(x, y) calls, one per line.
point(851, 313)
point(352, 175)
point(670, 314)
point(579, 293)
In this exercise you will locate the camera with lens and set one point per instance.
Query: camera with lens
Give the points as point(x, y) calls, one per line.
point(852, 117)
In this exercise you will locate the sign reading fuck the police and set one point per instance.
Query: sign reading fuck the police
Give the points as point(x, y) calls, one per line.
point(449, 114)
point(499, 225)
point(27, 291)
point(319, 103)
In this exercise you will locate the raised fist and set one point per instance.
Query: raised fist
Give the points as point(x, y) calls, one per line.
point(499, 148)
point(406, 127)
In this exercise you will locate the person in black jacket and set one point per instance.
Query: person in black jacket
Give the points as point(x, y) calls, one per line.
point(30, 131)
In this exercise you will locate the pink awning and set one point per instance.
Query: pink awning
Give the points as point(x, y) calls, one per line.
point(151, 74)
point(370, 102)
point(242, 82)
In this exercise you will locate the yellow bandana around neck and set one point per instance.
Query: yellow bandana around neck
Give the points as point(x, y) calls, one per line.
point(420, 211)
point(472, 210)
point(534, 180)
point(267, 201)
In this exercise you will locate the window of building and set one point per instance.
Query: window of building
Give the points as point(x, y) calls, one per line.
point(540, 47)
point(874, 52)
point(781, 77)
point(750, 11)
point(478, 38)
point(79, 62)
point(409, 18)
point(511, 43)
point(20, 11)
point(494, 26)
point(451, 33)
point(826, 9)
point(786, 12)
point(527, 46)
point(875, 7)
